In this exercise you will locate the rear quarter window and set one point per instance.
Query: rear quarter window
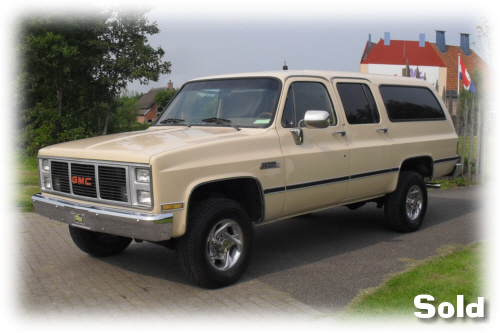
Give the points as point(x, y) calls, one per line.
point(408, 103)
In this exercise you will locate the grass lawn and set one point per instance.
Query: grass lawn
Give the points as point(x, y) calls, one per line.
point(26, 183)
point(467, 146)
point(455, 272)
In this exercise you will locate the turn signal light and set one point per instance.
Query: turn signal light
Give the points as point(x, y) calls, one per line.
point(179, 205)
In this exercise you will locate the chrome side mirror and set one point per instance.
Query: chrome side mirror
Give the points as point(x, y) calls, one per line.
point(312, 119)
point(298, 135)
point(317, 119)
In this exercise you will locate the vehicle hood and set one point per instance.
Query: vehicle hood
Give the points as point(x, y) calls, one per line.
point(139, 147)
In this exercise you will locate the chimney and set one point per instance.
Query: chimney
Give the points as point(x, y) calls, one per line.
point(464, 43)
point(440, 41)
point(421, 41)
point(387, 38)
point(170, 85)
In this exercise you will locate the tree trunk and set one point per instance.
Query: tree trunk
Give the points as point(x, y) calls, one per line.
point(464, 133)
point(471, 141)
point(106, 121)
point(59, 92)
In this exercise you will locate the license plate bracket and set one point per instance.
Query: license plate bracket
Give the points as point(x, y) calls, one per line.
point(78, 218)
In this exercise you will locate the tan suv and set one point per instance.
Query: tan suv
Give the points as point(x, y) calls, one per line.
point(231, 152)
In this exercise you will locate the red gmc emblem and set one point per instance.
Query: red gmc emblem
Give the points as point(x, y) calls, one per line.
point(81, 180)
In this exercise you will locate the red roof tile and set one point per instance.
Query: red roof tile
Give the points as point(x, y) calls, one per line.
point(472, 62)
point(400, 50)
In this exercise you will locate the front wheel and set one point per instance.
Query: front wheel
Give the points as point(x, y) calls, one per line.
point(405, 207)
point(98, 244)
point(215, 250)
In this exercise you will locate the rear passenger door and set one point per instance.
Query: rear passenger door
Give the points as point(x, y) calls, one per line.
point(368, 137)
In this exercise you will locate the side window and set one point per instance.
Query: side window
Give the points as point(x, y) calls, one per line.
point(407, 103)
point(302, 97)
point(359, 104)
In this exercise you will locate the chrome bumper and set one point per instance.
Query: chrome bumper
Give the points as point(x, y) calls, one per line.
point(133, 224)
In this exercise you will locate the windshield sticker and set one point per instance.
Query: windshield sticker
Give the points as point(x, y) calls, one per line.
point(261, 121)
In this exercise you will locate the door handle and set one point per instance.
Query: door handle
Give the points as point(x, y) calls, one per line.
point(339, 132)
point(385, 130)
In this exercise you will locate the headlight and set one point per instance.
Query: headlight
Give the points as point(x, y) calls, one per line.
point(45, 165)
point(44, 174)
point(47, 184)
point(141, 185)
point(142, 176)
point(144, 198)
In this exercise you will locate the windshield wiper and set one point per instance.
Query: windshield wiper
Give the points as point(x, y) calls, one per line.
point(174, 121)
point(220, 121)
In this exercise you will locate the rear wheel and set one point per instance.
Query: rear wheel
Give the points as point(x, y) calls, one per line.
point(405, 207)
point(98, 244)
point(215, 250)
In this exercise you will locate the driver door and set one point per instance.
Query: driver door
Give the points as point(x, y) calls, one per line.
point(317, 169)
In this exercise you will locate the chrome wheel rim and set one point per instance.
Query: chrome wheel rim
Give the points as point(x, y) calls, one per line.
point(224, 245)
point(414, 201)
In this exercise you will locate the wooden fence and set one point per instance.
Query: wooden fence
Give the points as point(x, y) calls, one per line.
point(470, 123)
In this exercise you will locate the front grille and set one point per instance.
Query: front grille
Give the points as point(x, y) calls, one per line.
point(113, 183)
point(80, 180)
point(60, 179)
point(83, 180)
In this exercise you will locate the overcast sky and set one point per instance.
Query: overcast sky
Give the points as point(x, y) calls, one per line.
point(219, 37)
point(213, 37)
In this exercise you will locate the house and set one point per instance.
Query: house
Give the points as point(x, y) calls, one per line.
point(472, 61)
point(149, 111)
point(434, 62)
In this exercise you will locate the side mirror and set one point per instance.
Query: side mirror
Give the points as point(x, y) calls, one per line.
point(317, 119)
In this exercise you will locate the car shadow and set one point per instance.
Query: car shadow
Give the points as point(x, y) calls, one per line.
point(302, 240)
point(298, 241)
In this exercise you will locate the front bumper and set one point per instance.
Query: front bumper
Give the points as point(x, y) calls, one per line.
point(133, 224)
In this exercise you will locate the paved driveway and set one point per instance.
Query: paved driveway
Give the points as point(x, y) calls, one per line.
point(303, 268)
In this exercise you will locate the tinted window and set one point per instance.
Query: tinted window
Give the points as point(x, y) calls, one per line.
point(405, 103)
point(359, 104)
point(302, 97)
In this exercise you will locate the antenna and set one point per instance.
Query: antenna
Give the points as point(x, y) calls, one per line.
point(285, 67)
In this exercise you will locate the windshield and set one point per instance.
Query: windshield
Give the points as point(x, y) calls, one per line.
point(248, 102)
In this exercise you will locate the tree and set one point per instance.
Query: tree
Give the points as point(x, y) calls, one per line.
point(73, 68)
point(128, 56)
point(163, 97)
point(56, 87)
point(485, 40)
point(124, 119)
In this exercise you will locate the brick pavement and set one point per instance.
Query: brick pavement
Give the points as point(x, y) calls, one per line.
point(57, 281)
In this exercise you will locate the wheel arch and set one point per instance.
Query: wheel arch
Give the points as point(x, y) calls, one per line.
point(424, 165)
point(247, 191)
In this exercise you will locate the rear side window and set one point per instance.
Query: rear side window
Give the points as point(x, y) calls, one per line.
point(406, 103)
point(359, 104)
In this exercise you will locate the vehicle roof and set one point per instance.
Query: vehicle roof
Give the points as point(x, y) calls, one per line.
point(327, 75)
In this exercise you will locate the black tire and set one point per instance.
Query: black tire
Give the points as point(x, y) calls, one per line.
point(208, 252)
point(405, 207)
point(98, 244)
